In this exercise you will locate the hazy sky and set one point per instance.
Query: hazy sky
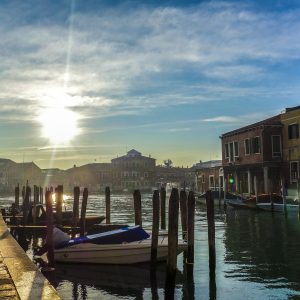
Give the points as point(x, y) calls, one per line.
point(84, 81)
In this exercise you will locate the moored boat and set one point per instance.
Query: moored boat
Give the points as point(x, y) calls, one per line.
point(123, 246)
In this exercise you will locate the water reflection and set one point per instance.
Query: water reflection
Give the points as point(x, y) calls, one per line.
point(263, 248)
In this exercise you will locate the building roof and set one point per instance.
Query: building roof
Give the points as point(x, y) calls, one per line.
point(208, 164)
point(273, 121)
point(288, 109)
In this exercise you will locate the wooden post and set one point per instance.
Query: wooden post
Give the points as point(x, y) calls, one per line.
point(172, 243)
point(137, 207)
point(107, 204)
point(211, 231)
point(76, 208)
point(163, 208)
point(219, 192)
point(17, 196)
point(283, 191)
point(49, 237)
point(183, 212)
point(83, 211)
point(225, 192)
point(41, 195)
point(191, 227)
point(59, 203)
point(34, 204)
point(155, 229)
point(26, 205)
point(271, 195)
point(255, 189)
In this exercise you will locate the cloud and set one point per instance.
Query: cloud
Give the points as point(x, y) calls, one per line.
point(223, 119)
point(125, 61)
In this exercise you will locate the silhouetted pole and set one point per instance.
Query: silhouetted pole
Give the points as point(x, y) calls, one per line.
point(107, 204)
point(17, 196)
point(137, 200)
point(163, 208)
point(155, 229)
point(211, 231)
point(255, 190)
point(172, 243)
point(76, 208)
point(49, 237)
point(26, 205)
point(41, 195)
point(83, 210)
point(59, 204)
point(225, 192)
point(271, 195)
point(191, 227)
point(34, 204)
point(283, 191)
point(183, 212)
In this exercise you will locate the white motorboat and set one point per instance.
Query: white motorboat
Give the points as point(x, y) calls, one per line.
point(113, 248)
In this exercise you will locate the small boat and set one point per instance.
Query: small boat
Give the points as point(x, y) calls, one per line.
point(67, 217)
point(278, 207)
point(128, 245)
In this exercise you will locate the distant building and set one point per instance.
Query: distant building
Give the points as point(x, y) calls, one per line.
point(209, 176)
point(133, 171)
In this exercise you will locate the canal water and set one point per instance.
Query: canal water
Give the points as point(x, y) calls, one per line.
point(258, 257)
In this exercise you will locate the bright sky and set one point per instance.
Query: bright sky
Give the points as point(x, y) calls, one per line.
point(84, 81)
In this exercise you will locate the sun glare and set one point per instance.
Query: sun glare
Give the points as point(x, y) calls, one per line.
point(59, 125)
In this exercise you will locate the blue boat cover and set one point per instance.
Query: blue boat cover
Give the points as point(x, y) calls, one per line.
point(118, 236)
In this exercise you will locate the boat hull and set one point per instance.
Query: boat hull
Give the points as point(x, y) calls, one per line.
point(126, 253)
point(279, 207)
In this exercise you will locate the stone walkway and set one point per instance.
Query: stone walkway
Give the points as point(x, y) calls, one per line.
point(19, 276)
point(7, 287)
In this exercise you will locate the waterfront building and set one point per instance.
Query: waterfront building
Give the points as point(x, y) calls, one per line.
point(209, 176)
point(290, 119)
point(254, 151)
point(133, 171)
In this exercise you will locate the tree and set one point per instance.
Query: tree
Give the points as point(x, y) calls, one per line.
point(168, 163)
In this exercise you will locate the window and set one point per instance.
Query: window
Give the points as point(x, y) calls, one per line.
point(236, 149)
point(247, 147)
point(231, 152)
point(294, 171)
point(276, 145)
point(293, 131)
point(211, 182)
point(256, 144)
point(203, 178)
point(226, 151)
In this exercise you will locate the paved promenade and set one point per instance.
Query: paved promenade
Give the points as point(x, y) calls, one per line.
point(19, 276)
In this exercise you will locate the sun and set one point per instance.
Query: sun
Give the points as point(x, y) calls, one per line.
point(59, 125)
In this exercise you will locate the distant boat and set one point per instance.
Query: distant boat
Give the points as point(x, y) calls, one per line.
point(128, 245)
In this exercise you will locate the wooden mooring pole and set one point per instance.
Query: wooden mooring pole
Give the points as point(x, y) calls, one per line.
point(172, 244)
point(107, 205)
point(83, 211)
point(34, 212)
point(41, 195)
point(26, 205)
point(183, 212)
point(191, 227)
point(76, 192)
point(137, 201)
point(163, 208)
point(59, 203)
point(155, 230)
point(211, 231)
point(49, 237)
point(17, 196)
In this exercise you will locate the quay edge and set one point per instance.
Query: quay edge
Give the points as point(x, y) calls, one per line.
point(29, 282)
